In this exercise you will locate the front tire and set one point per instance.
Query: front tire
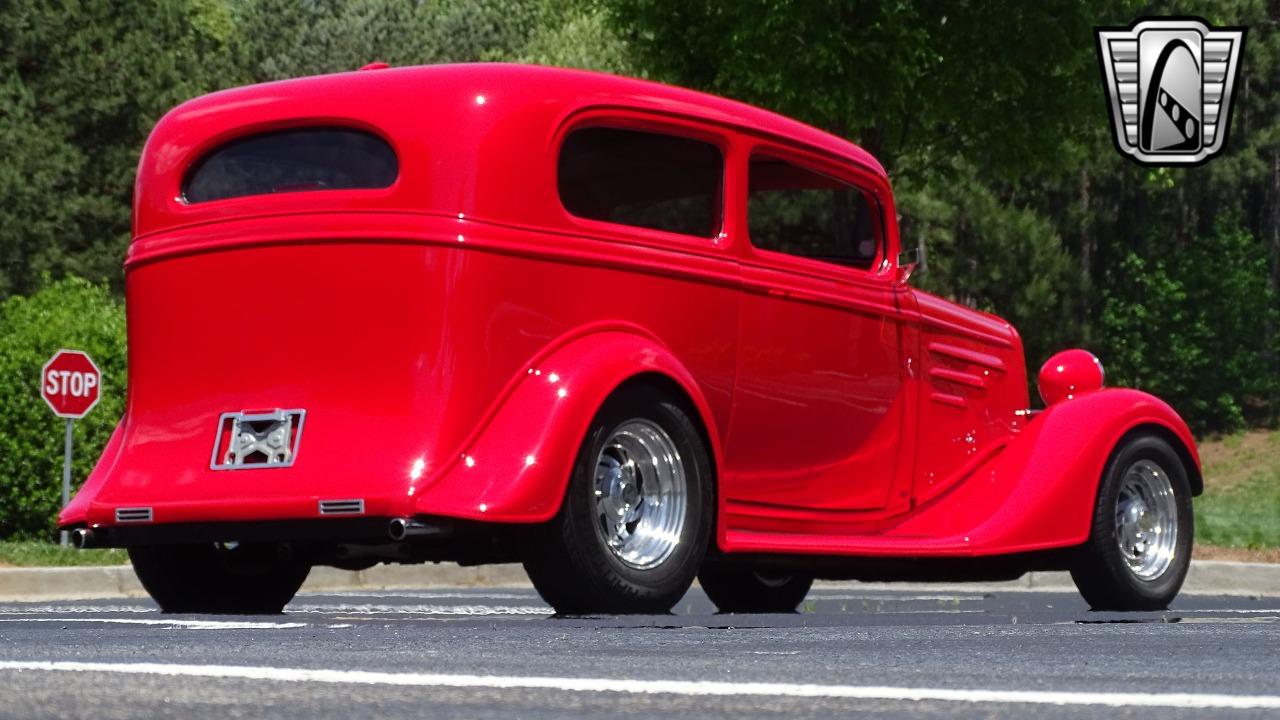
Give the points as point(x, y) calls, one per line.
point(216, 579)
point(1139, 547)
point(635, 521)
point(737, 589)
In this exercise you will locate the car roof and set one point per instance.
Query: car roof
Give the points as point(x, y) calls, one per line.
point(473, 139)
point(541, 85)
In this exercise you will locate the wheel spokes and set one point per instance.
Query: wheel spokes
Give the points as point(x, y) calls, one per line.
point(1146, 520)
point(640, 494)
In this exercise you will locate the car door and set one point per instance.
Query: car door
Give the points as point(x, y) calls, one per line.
point(819, 399)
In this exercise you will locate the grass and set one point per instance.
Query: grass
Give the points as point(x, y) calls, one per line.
point(1240, 507)
point(36, 553)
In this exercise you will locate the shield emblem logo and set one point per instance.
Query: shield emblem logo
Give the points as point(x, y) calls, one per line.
point(1170, 83)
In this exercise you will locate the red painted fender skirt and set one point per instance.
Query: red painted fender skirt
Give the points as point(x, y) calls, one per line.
point(516, 468)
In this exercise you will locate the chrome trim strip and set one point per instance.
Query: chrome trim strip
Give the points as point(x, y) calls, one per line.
point(342, 507)
point(135, 514)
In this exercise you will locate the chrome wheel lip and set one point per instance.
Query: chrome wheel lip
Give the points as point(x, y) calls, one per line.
point(1146, 520)
point(640, 494)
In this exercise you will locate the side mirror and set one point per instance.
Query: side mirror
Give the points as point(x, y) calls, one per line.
point(911, 261)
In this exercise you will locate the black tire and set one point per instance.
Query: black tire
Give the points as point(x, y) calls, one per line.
point(245, 580)
point(568, 559)
point(1100, 570)
point(739, 589)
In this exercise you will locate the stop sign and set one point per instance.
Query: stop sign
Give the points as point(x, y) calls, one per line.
point(70, 383)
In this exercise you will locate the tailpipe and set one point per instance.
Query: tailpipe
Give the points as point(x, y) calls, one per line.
point(84, 538)
point(401, 528)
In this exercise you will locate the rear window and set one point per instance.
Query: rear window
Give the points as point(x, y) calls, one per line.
point(293, 161)
point(645, 179)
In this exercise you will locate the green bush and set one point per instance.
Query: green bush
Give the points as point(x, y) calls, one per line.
point(71, 313)
point(1192, 328)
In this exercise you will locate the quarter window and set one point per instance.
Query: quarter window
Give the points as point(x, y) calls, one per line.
point(645, 179)
point(293, 161)
point(801, 212)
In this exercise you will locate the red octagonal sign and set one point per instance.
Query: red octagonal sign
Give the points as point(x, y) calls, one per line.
point(71, 383)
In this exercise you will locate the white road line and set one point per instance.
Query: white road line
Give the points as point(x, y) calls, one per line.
point(818, 594)
point(187, 624)
point(478, 595)
point(939, 611)
point(370, 609)
point(667, 687)
point(1224, 610)
point(47, 609)
point(1260, 620)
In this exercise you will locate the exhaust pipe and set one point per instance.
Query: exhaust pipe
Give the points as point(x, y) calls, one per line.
point(401, 528)
point(83, 538)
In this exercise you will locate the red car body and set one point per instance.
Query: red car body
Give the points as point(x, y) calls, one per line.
point(451, 335)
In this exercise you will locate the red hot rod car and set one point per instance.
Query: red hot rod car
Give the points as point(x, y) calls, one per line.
point(624, 333)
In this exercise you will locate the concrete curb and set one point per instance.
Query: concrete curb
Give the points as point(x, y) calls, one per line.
point(1207, 577)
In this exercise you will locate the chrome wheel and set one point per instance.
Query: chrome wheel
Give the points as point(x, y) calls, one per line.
point(641, 494)
point(1146, 520)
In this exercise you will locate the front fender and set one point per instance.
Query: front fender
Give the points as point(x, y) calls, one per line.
point(1039, 492)
point(516, 468)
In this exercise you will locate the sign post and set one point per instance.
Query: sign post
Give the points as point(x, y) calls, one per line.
point(71, 384)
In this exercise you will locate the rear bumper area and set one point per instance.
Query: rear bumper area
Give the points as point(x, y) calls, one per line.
point(358, 530)
point(351, 543)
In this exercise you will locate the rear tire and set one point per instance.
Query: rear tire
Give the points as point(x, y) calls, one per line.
point(736, 589)
point(635, 520)
point(206, 578)
point(1139, 547)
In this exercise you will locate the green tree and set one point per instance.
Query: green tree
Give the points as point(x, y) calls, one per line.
point(284, 38)
point(1189, 329)
point(81, 84)
point(999, 82)
point(570, 33)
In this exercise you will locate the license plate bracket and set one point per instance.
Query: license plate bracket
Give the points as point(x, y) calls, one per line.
point(257, 440)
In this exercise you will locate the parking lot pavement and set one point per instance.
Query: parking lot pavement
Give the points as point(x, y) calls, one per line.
point(498, 653)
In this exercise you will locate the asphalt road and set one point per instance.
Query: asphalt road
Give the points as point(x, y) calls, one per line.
point(474, 653)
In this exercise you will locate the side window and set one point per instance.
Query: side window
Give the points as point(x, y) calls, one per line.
point(801, 212)
point(646, 179)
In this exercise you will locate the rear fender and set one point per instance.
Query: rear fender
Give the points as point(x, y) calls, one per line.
point(1039, 492)
point(76, 512)
point(516, 468)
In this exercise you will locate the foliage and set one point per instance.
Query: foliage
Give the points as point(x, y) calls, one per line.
point(67, 313)
point(81, 83)
point(567, 35)
point(1193, 337)
point(284, 38)
point(990, 81)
